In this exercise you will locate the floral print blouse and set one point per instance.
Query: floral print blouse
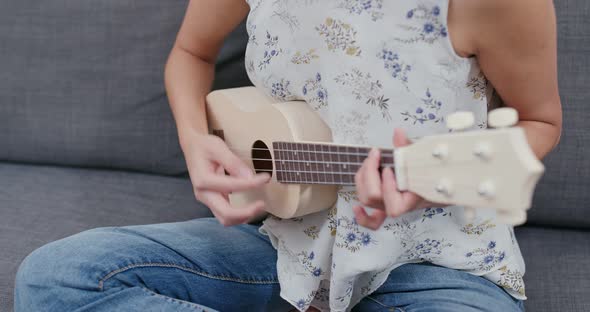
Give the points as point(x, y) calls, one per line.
point(366, 67)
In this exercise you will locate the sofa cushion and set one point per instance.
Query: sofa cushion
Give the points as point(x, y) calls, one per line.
point(563, 195)
point(81, 82)
point(42, 204)
point(557, 276)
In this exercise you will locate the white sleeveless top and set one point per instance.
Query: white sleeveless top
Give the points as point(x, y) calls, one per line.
point(368, 66)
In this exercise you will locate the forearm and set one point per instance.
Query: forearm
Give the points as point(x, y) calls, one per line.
point(188, 81)
point(542, 136)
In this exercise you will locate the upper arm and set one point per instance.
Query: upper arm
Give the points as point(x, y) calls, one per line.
point(516, 46)
point(207, 23)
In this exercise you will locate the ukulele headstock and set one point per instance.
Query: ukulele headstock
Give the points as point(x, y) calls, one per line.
point(493, 168)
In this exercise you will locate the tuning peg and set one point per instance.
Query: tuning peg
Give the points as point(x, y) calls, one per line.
point(458, 121)
point(444, 187)
point(487, 189)
point(503, 117)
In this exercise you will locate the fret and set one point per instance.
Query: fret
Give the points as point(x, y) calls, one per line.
point(276, 160)
point(286, 154)
point(321, 164)
point(308, 164)
point(328, 163)
point(292, 169)
point(296, 165)
point(314, 164)
point(334, 154)
point(299, 166)
point(356, 158)
point(304, 159)
point(325, 149)
point(284, 160)
point(283, 164)
point(304, 163)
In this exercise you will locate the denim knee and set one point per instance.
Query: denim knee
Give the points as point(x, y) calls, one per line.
point(36, 279)
point(50, 272)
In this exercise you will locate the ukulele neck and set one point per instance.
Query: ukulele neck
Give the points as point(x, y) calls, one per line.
point(318, 163)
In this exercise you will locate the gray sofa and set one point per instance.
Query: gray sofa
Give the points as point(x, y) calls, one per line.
point(87, 138)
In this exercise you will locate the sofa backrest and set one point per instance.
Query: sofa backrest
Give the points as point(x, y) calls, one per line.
point(81, 83)
point(563, 195)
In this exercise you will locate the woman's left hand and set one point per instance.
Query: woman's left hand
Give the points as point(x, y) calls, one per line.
point(379, 191)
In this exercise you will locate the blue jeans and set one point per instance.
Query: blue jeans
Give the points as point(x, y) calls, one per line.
point(200, 265)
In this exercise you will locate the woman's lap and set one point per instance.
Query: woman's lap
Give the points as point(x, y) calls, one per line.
point(199, 261)
point(425, 287)
point(172, 266)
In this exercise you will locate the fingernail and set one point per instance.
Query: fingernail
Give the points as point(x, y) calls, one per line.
point(374, 152)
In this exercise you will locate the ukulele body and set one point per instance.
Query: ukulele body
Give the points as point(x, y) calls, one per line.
point(249, 122)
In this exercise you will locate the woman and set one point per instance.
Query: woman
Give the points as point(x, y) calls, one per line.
point(366, 67)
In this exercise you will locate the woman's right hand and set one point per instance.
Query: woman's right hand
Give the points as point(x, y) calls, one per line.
point(208, 158)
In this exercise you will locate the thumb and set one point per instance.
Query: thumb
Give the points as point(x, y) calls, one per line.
point(400, 138)
point(230, 162)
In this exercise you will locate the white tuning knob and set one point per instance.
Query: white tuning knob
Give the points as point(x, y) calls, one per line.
point(487, 190)
point(503, 117)
point(483, 151)
point(444, 187)
point(458, 121)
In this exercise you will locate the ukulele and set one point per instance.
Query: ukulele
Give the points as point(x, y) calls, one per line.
point(491, 168)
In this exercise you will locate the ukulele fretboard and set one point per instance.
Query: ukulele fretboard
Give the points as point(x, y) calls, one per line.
point(317, 163)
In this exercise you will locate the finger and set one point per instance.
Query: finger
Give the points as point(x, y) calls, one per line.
point(391, 196)
point(400, 138)
point(220, 171)
point(225, 213)
point(230, 161)
point(228, 184)
point(372, 178)
point(396, 202)
point(373, 221)
point(410, 201)
point(359, 177)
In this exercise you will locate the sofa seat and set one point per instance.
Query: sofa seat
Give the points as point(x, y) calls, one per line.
point(557, 262)
point(41, 204)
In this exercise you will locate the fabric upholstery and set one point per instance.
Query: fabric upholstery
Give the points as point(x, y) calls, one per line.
point(557, 276)
point(82, 83)
point(42, 204)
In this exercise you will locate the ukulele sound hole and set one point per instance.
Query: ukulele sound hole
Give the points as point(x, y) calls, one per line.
point(261, 158)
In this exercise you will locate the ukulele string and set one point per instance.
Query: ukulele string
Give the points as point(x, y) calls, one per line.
point(416, 183)
point(383, 157)
point(243, 150)
point(382, 164)
point(342, 165)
